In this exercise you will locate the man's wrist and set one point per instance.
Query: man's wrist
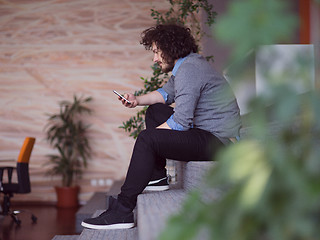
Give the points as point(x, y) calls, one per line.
point(138, 101)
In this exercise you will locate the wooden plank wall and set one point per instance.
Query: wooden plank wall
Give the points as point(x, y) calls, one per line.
point(52, 49)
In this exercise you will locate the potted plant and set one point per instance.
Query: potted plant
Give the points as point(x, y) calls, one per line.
point(68, 134)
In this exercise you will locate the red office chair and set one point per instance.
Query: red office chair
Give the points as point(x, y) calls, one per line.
point(8, 188)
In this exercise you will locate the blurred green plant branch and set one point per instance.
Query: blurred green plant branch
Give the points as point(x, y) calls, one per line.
point(267, 185)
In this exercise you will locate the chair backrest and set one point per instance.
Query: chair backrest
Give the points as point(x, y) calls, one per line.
point(23, 165)
point(26, 150)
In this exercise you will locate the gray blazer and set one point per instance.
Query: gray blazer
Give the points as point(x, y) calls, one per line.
point(203, 99)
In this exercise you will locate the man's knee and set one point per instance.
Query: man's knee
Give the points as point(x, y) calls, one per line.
point(154, 109)
point(159, 110)
point(157, 114)
point(150, 136)
point(144, 136)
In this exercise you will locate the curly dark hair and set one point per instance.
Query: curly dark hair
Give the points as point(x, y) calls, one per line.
point(173, 40)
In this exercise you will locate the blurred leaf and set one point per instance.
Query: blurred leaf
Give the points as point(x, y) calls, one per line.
point(251, 23)
point(267, 185)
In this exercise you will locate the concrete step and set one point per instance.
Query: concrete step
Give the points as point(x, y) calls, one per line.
point(193, 173)
point(66, 237)
point(153, 210)
point(116, 234)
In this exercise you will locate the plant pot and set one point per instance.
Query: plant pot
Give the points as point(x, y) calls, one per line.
point(67, 197)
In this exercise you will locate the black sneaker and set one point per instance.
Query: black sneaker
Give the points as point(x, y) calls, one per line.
point(117, 216)
point(158, 185)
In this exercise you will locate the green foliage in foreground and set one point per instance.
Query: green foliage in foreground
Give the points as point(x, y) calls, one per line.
point(266, 187)
point(270, 182)
point(251, 23)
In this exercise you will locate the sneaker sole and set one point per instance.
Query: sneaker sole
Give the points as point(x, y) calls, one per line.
point(156, 181)
point(111, 226)
point(156, 188)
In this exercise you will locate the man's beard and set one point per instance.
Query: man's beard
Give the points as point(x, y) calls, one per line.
point(167, 68)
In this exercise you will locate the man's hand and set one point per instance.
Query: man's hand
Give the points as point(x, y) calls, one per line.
point(132, 98)
point(143, 100)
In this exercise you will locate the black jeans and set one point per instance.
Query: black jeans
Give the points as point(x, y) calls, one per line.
point(153, 146)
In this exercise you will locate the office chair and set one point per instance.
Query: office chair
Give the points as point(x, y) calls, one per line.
point(23, 186)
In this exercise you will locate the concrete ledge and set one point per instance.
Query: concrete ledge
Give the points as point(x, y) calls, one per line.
point(193, 173)
point(119, 234)
point(66, 237)
point(154, 209)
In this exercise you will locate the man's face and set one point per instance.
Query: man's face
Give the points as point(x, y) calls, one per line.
point(157, 58)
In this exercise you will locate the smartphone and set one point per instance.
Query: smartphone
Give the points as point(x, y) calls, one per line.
point(121, 96)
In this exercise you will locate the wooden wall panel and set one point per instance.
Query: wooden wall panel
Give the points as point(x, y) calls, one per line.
point(52, 49)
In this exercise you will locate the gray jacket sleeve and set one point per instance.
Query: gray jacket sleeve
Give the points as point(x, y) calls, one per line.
point(185, 92)
point(169, 89)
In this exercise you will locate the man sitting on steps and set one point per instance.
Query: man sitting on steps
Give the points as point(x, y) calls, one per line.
point(205, 118)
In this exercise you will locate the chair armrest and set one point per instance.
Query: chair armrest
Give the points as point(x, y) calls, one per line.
point(9, 172)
